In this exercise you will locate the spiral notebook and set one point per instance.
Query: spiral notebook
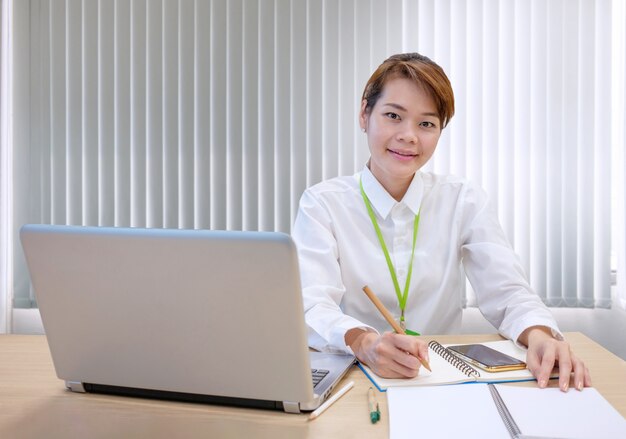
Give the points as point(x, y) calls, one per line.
point(447, 368)
point(501, 411)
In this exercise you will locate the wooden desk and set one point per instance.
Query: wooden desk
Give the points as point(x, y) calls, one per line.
point(35, 404)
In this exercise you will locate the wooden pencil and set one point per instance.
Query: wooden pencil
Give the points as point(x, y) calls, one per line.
point(387, 315)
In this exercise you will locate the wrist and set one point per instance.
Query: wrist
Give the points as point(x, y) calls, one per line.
point(533, 333)
point(354, 339)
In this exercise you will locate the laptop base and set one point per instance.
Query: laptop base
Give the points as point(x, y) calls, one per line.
point(181, 397)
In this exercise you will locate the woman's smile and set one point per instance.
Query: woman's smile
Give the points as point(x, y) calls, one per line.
point(402, 155)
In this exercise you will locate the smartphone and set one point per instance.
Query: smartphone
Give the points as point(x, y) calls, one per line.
point(486, 358)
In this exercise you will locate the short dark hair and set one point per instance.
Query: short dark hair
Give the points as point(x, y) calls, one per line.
point(420, 69)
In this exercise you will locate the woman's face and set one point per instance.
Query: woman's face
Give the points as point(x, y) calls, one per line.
point(403, 129)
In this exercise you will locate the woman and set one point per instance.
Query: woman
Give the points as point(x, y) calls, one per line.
point(412, 236)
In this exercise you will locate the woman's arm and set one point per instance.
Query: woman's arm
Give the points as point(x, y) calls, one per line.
point(330, 329)
point(507, 300)
point(320, 272)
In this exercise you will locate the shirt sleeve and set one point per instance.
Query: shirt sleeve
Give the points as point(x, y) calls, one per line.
point(320, 273)
point(494, 270)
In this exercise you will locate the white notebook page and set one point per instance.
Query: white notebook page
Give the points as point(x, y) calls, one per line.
point(468, 411)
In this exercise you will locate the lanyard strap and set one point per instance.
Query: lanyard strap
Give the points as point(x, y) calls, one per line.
point(402, 297)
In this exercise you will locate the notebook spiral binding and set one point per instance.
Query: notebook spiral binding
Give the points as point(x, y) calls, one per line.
point(504, 413)
point(447, 355)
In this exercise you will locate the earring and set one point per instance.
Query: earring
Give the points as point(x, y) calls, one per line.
point(363, 129)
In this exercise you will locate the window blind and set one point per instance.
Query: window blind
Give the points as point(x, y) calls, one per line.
point(619, 150)
point(217, 114)
point(6, 268)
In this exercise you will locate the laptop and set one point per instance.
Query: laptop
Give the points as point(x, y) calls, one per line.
point(191, 315)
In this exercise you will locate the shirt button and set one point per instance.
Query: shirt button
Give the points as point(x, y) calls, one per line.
point(401, 272)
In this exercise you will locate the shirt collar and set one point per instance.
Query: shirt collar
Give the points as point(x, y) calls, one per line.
point(382, 202)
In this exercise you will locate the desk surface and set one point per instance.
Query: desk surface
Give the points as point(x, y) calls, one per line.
point(34, 402)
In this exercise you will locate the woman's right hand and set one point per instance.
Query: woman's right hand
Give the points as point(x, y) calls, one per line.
point(389, 355)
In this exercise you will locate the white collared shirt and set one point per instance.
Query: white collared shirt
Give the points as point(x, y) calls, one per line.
point(339, 253)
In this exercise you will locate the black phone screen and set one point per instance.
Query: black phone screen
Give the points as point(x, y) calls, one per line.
point(485, 355)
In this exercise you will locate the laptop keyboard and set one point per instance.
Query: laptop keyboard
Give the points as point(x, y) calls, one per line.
point(318, 375)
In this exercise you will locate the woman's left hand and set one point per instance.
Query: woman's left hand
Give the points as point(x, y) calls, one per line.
point(545, 352)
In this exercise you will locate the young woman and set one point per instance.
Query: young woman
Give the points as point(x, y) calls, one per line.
point(412, 237)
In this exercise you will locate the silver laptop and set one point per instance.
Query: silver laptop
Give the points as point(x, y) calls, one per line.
point(193, 315)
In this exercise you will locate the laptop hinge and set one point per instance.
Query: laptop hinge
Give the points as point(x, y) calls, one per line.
point(75, 386)
point(291, 407)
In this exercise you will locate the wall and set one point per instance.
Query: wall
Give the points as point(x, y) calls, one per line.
point(605, 326)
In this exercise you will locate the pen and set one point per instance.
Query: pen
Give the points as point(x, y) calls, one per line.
point(387, 315)
point(373, 406)
point(330, 401)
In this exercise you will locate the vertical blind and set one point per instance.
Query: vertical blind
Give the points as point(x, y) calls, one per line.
point(6, 269)
point(218, 114)
point(619, 145)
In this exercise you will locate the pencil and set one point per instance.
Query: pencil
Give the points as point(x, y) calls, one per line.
point(387, 315)
point(314, 414)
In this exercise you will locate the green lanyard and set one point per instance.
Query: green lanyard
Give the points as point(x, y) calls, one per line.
point(402, 297)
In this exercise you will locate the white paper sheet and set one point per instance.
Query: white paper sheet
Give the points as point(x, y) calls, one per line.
point(468, 411)
point(456, 411)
